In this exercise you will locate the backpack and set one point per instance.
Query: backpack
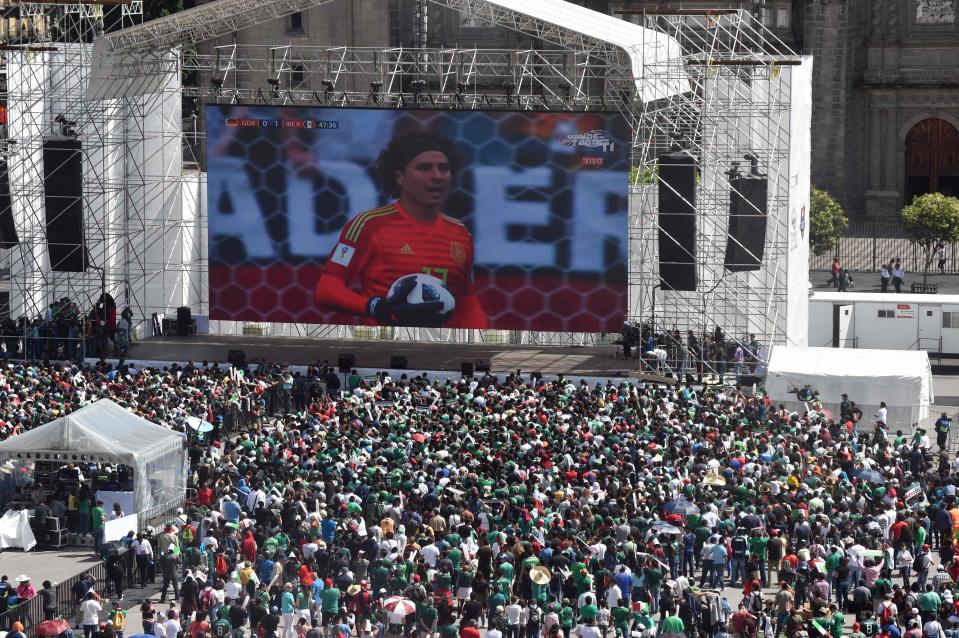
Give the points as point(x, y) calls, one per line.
point(885, 614)
point(221, 566)
point(206, 600)
point(119, 619)
point(534, 616)
point(917, 563)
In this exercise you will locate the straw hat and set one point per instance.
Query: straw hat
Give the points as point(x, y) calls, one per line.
point(353, 590)
point(23, 578)
point(714, 479)
point(540, 575)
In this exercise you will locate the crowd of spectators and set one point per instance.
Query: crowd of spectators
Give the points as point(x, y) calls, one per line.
point(528, 508)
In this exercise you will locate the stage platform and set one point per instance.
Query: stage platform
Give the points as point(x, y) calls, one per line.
point(594, 361)
point(55, 565)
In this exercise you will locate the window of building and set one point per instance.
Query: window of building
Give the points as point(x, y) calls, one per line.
point(950, 319)
point(298, 76)
point(887, 314)
point(782, 17)
point(769, 17)
point(296, 22)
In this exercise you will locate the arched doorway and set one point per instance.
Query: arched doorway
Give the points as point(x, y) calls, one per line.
point(932, 158)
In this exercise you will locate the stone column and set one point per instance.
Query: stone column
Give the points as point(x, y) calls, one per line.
point(882, 196)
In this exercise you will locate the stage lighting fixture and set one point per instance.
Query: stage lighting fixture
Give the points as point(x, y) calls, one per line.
point(375, 87)
point(67, 127)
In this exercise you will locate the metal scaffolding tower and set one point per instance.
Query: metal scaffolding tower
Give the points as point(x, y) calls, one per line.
point(144, 194)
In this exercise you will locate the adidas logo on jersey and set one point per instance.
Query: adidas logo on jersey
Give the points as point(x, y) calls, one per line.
point(406, 250)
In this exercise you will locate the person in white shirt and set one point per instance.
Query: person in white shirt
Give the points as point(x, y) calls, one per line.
point(589, 630)
point(613, 594)
point(514, 613)
point(172, 624)
point(159, 627)
point(881, 413)
point(430, 553)
point(143, 551)
point(90, 610)
point(233, 588)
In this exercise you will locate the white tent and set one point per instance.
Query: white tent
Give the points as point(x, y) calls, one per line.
point(902, 379)
point(105, 432)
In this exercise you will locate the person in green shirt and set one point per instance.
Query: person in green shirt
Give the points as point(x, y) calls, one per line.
point(426, 620)
point(653, 577)
point(835, 621)
point(566, 618)
point(378, 576)
point(929, 603)
point(497, 600)
point(287, 602)
point(506, 571)
point(222, 627)
point(588, 611)
point(270, 546)
point(621, 615)
point(329, 604)
point(672, 627)
point(757, 548)
point(99, 517)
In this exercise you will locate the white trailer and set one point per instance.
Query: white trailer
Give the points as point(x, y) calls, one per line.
point(884, 321)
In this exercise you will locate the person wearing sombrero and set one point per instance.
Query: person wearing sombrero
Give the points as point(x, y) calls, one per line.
point(25, 591)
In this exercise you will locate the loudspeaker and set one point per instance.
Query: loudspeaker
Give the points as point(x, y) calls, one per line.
point(398, 362)
point(237, 358)
point(466, 368)
point(63, 196)
point(345, 362)
point(748, 209)
point(8, 229)
point(677, 221)
point(482, 365)
point(749, 379)
point(183, 320)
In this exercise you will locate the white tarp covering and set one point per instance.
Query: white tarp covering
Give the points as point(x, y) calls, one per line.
point(656, 58)
point(15, 531)
point(117, 528)
point(104, 430)
point(902, 379)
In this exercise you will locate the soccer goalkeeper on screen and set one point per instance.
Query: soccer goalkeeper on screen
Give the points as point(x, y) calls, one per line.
point(412, 235)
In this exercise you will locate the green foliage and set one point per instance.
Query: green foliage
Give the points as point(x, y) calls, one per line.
point(930, 219)
point(827, 222)
point(639, 175)
point(153, 9)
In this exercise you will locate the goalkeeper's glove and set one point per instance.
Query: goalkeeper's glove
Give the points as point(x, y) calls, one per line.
point(395, 310)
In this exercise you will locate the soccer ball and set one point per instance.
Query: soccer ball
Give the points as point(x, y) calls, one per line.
point(423, 289)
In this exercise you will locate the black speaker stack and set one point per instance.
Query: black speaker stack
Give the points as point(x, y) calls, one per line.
point(748, 212)
point(63, 197)
point(345, 362)
point(677, 221)
point(8, 229)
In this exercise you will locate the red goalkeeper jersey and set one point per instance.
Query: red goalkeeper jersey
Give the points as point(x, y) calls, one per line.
point(379, 246)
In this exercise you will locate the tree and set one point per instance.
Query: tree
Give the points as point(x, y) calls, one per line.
point(153, 9)
point(929, 220)
point(827, 222)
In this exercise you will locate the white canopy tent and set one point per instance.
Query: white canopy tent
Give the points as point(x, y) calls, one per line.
point(107, 433)
point(902, 379)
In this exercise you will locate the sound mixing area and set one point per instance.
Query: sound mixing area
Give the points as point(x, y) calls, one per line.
point(61, 494)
